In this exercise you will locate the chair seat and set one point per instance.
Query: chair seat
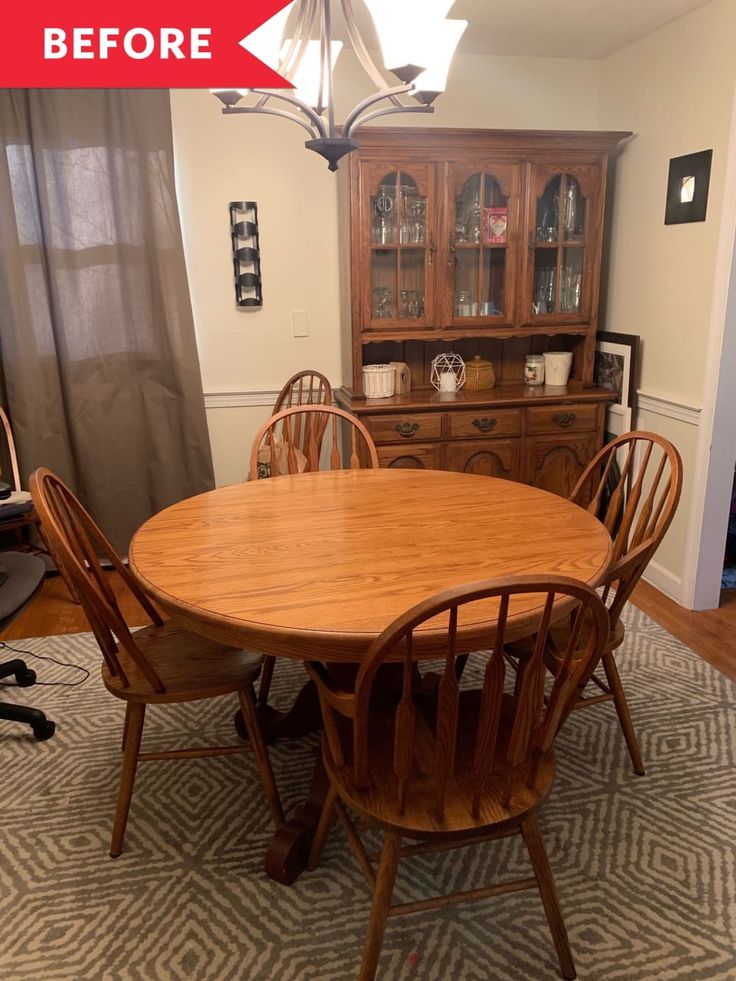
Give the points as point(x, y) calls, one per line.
point(506, 796)
point(191, 667)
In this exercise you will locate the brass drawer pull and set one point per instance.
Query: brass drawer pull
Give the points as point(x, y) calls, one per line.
point(485, 425)
point(406, 429)
point(564, 419)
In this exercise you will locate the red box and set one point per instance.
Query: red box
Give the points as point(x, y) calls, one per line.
point(495, 225)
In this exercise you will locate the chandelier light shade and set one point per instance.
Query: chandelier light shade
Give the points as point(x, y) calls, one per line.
point(417, 42)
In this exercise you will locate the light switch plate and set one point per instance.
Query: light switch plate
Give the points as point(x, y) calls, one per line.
point(300, 323)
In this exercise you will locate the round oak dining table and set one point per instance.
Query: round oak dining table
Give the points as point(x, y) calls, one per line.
point(314, 566)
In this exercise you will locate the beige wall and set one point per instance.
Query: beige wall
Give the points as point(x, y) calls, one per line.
point(674, 89)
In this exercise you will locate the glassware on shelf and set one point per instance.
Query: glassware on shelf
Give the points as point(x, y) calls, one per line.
point(383, 226)
point(413, 221)
point(569, 218)
point(544, 291)
point(461, 231)
point(412, 304)
point(382, 299)
point(571, 281)
point(465, 306)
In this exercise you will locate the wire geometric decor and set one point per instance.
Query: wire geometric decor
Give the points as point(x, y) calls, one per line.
point(444, 365)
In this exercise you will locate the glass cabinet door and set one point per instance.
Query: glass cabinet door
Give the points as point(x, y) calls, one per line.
point(399, 239)
point(564, 211)
point(483, 215)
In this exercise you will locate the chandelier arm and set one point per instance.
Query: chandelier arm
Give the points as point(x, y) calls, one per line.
point(385, 93)
point(236, 110)
point(388, 111)
point(361, 51)
point(313, 117)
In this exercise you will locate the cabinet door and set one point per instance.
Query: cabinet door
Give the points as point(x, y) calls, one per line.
point(398, 243)
point(429, 456)
point(555, 463)
point(482, 210)
point(563, 227)
point(488, 457)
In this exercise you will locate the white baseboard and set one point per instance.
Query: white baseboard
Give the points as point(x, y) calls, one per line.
point(665, 581)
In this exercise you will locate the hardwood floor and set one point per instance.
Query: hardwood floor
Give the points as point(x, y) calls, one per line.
point(711, 633)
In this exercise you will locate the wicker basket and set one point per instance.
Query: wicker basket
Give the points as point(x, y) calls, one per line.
point(479, 374)
point(378, 381)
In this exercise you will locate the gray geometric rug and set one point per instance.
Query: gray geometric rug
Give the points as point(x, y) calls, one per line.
point(644, 865)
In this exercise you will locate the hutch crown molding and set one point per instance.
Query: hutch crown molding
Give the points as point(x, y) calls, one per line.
point(482, 242)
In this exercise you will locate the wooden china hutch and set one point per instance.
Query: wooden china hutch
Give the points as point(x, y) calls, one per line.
point(483, 243)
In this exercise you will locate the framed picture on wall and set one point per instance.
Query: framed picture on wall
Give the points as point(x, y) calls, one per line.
point(615, 368)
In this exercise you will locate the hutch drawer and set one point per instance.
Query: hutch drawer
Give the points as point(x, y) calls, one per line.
point(416, 427)
point(485, 422)
point(561, 418)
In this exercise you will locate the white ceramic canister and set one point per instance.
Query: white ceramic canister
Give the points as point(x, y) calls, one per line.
point(534, 369)
point(557, 365)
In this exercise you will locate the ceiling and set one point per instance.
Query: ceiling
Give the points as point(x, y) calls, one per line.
point(562, 28)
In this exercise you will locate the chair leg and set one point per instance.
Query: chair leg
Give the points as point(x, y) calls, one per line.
point(323, 829)
point(381, 905)
point(267, 665)
point(622, 709)
point(548, 892)
point(263, 762)
point(135, 717)
point(126, 723)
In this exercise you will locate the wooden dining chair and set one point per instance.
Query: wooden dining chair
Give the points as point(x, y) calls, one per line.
point(636, 481)
point(461, 766)
point(159, 663)
point(298, 441)
point(306, 426)
point(304, 388)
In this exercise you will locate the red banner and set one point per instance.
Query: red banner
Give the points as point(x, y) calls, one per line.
point(135, 45)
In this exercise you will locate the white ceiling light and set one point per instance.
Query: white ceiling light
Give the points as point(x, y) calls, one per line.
point(417, 44)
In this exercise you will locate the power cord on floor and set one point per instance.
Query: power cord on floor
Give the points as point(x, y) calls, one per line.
point(53, 660)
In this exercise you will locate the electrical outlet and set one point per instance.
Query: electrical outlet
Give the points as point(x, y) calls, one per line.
point(299, 324)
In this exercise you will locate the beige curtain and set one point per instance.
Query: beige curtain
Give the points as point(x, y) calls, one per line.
point(99, 359)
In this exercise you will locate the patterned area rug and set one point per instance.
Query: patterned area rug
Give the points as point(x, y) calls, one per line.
point(644, 865)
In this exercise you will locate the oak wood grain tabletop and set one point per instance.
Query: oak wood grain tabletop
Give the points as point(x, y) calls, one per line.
point(317, 565)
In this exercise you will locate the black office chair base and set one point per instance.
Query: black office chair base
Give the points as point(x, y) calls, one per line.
point(43, 728)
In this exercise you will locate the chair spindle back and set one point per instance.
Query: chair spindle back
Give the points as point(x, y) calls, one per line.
point(303, 388)
point(637, 484)
point(80, 545)
point(308, 438)
point(535, 722)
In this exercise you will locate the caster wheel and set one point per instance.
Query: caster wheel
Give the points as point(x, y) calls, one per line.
point(24, 679)
point(44, 731)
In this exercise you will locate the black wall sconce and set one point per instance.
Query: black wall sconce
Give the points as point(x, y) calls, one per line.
point(246, 253)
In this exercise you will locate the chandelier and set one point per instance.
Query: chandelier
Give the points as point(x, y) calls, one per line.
point(417, 44)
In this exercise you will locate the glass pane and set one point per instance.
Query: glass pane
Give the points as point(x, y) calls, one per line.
point(495, 212)
point(412, 213)
point(573, 216)
point(494, 278)
point(411, 300)
point(571, 280)
point(548, 212)
point(383, 283)
point(466, 282)
point(468, 214)
point(384, 222)
point(544, 299)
